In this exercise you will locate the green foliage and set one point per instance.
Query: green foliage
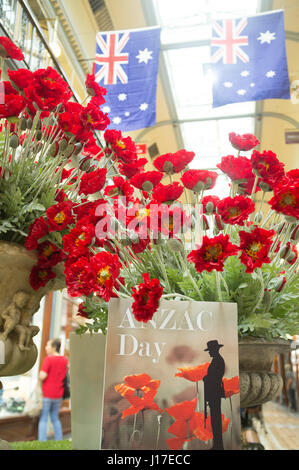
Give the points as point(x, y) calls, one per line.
point(39, 445)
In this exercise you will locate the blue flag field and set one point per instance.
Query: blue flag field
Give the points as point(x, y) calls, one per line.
point(249, 60)
point(126, 64)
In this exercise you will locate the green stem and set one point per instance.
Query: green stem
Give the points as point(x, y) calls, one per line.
point(218, 287)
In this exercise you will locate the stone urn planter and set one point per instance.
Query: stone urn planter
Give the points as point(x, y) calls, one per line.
point(257, 383)
point(18, 303)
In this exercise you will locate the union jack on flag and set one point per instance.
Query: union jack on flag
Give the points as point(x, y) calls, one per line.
point(126, 64)
point(248, 59)
point(110, 58)
point(229, 42)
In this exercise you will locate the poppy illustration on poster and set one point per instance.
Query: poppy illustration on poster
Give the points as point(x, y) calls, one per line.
point(172, 383)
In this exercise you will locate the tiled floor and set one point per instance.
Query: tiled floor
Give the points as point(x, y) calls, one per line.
point(281, 428)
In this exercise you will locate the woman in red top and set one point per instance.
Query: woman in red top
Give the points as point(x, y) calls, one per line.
point(52, 374)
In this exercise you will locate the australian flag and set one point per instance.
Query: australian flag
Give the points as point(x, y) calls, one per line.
point(126, 64)
point(249, 60)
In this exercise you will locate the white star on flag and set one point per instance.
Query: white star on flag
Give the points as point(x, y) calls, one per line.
point(228, 84)
point(122, 97)
point(252, 84)
point(116, 120)
point(127, 113)
point(270, 74)
point(245, 73)
point(106, 109)
point(266, 37)
point(241, 91)
point(144, 56)
point(143, 107)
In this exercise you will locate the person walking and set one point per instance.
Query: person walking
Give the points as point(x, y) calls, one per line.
point(214, 391)
point(291, 386)
point(53, 371)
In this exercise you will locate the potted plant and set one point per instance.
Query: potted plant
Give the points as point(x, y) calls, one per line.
point(120, 229)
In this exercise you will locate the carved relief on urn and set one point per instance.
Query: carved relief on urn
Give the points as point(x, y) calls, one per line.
point(18, 303)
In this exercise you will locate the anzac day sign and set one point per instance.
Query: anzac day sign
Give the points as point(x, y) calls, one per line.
point(172, 383)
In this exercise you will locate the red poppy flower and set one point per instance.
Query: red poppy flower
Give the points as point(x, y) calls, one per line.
point(123, 147)
point(236, 168)
point(146, 180)
point(243, 142)
point(183, 413)
point(140, 391)
point(9, 50)
point(174, 162)
point(79, 277)
point(231, 386)
point(21, 77)
point(94, 89)
point(167, 193)
point(235, 210)
point(49, 254)
point(212, 253)
point(106, 267)
point(290, 252)
point(81, 310)
point(255, 247)
point(13, 103)
point(267, 166)
point(93, 182)
point(286, 198)
point(202, 429)
point(93, 118)
point(120, 188)
point(195, 373)
point(146, 298)
point(38, 229)
point(131, 169)
point(40, 276)
point(48, 89)
point(197, 180)
point(209, 204)
point(76, 242)
point(60, 216)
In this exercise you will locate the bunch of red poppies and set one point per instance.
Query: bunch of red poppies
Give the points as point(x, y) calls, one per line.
point(119, 225)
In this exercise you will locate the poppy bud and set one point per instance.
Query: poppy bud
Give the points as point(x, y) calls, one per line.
point(279, 284)
point(38, 135)
point(208, 183)
point(69, 150)
point(29, 123)
point(84, 164)
point(174, 244)
point(168, 167)
point(198, 187)
point(147, 186)
point(78, 148)
point(53, 150)
point(209, 207)
point(284, 251)
point(14, 141)
point(218, 222)
point(295, 234)
point(258, 217)
point(290, 219)
point(264, 186)
point(62, 145)
point(23, 124)
point(290, 256)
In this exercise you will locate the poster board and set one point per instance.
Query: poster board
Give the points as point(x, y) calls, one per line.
point(168, 382)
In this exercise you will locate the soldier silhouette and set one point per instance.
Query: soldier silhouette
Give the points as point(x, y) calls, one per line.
point(214, 391)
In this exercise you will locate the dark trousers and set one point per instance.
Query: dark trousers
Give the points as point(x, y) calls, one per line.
point(216, 422)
